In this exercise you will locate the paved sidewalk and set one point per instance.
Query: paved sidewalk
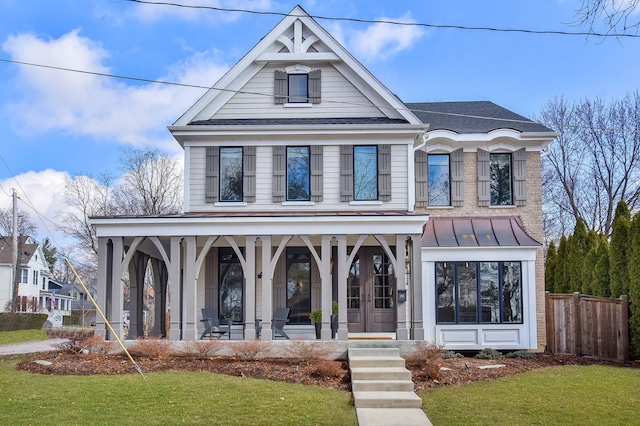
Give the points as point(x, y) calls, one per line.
point(31, 347)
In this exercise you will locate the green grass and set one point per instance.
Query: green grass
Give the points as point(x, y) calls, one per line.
point(21, 336)
point(170, 398)
point(567, 395)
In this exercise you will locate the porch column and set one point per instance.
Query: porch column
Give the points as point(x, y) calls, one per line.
point(137, 269)
point(190, 303)
point(116, 284)
point(159, 269)
point(250, 288)
point(104, 285)
point(343, 275)
point(417, 326)
point(402, 331)
point(267, 288)
point(175, 289)
point(326, 287)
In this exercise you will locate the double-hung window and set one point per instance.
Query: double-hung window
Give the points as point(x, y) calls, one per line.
point(24, 276)
point(230, 174)
point(479, 292)
point(365, 173)
point(298, 85)
point(298, 173)
point(501, 182)
point(439, 180)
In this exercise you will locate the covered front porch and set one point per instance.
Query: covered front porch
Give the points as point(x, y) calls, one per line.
point(245, 267)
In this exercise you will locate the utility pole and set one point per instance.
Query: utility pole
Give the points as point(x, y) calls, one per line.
point(16, 262)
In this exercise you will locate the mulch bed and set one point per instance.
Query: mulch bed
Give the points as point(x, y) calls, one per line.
point(334, 374)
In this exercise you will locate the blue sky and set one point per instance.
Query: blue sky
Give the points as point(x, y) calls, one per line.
point(57, 124)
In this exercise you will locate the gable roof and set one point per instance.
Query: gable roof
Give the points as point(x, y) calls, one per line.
point(27, 252)
point(504, 231)
point(285, 44)
point(472, 117)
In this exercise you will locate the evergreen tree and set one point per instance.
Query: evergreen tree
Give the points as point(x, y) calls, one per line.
point(550, 268)
point(588, 271)
point(601, 272)
point(561, 274)
point(618, 251)
point(577, 254)
point(634, 287)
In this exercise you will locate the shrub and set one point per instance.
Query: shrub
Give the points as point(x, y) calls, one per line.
point(489, 353)
point(96, 345)
point(306, 350)
point(70, 320)
point(326, 368)
point(425, 351)
point(452, 355)
point(204, 348)
point(21, 321)
point(250, 349)
point(71, 333)
point(521, 355)
point(151, 347)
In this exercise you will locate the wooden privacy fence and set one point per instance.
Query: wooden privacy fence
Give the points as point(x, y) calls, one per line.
point(588, 325)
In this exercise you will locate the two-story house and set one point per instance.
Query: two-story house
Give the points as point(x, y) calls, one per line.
point(307, 181)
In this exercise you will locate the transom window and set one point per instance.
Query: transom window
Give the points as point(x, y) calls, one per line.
point(365, 173)
point(501, 180)
point(299, 285)
point(298, 85)
point(298, 173)
point(439, 180)
point(230, 174)
point(479, 292)
point(230, 279)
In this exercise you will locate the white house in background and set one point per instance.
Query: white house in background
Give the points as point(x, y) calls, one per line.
point(307, 181)
point(34, 274)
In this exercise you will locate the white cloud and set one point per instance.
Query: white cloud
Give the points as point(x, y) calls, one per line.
point(41, 195)
point(97, 106)
point(382, 41)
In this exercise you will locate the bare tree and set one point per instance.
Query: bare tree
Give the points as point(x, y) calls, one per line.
point(593, 164)
point(617, 15)
point(151, 183)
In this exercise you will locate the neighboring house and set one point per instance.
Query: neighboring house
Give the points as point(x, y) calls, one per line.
point(71, 299)
point(34, 273)
point(307, 181)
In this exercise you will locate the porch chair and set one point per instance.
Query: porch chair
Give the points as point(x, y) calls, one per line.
point(280, 318)
point(212, 325)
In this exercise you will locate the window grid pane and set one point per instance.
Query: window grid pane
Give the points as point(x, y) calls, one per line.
point(383, 297)
point(298, 173)
point(353, 286)
point(299, 285)
point(230, 174)
point(365, 173)
point(298, 88)
point(439, 179)
point(230, 289)
point(501, 183)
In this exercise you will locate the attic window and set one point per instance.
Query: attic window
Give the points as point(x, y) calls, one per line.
point(297, 84)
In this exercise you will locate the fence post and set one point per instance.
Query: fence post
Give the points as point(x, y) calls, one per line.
point(623, 330)
point(577, 323)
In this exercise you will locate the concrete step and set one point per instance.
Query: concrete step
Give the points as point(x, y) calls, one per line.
point(392, 417)
point(373, 352)
point(386, 399)
point(376, 361)
point(372, 373)
point(382, 385)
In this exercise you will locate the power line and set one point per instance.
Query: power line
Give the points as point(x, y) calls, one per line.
point(400, 23)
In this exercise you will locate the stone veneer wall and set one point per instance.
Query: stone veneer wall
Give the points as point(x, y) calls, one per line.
point(531, 216)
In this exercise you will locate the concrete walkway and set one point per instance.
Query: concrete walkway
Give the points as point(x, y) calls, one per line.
point(31, 347)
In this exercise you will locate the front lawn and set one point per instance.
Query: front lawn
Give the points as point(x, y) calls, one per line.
point(22, 336)
point(170, 398)
point(567, 395)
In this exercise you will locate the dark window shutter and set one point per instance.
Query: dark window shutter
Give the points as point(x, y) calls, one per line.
point(212, 175)
point(520, 177)
point(314, 87)
point(422, 187)
point(316, 172)
point(249, 174)
point(280, 87)
point(384, 172)
point(457, 177)
point(279, 173)
point(484, 176)
point(346, 172)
